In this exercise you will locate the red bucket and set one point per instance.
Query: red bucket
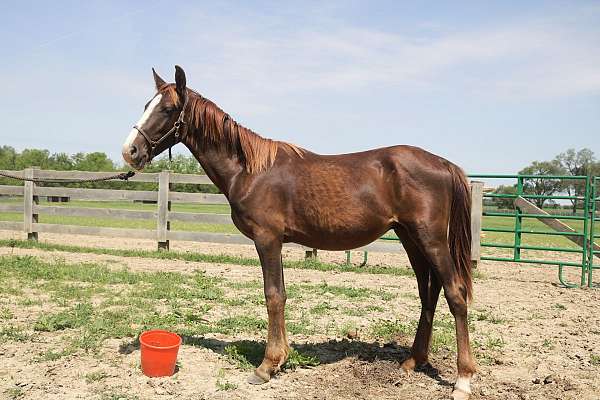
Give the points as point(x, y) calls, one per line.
point(159, 352)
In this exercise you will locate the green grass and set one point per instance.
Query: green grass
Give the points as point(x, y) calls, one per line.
point(247, 355)
point(97, 376)
point(199, 257)
point(529, 239)
point(5, 313)
point(117, 395)
point(241, 324)
point(559, 306)
point(322, 308)
point(14, 393)
point(387, 330)
point(339, 291)
point(223, 385)
point(14, 333)
point(75, 317)
point(123, 223)
point(486, 316)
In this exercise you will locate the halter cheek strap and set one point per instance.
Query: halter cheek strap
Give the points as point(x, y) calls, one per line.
point(154, 144)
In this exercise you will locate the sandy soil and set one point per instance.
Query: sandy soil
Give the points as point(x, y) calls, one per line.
point(550, 338)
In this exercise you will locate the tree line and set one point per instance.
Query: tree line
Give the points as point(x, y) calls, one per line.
point(569, 163)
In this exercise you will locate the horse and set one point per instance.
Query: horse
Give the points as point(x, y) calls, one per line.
point(280, 192)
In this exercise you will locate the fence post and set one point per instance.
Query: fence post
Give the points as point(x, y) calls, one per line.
point(310, 254)
point(476, 216)
point(164, 206)
point(29, 218)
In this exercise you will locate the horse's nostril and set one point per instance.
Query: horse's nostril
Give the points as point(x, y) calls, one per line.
point(133, 150)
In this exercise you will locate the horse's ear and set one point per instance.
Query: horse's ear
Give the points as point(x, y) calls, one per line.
point(180, 81)
point(158, 81)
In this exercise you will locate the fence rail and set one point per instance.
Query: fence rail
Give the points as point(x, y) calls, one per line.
point(163, 215)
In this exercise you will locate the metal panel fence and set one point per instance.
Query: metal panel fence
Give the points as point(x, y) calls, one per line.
point(594, 251)
point(579, 228)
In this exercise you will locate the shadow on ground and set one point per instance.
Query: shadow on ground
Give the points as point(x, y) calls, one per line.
point(370, 355)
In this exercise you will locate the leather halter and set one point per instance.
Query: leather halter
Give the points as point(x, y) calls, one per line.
point(153, 144)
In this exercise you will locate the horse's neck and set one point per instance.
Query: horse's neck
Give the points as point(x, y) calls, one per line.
point(220, 167)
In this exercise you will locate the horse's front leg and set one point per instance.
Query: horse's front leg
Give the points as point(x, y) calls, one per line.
point(277, 350)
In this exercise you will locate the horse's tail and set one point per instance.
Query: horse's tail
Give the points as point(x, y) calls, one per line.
point(459, 235)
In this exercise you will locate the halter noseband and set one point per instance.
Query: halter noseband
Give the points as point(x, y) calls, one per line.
point(174, 130)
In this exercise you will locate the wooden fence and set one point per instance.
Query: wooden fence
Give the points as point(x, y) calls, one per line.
point(163, 215)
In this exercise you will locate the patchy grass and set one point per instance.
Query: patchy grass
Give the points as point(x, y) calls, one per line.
point(97, 376)
point(117, 395)
point(297, 359)
point(242, 324)
point(348, 329)
point(76, 317)
point(245, 355)
point(199, 257)
point(14, 333)
point(88, 303)
point(339, 291)
point(5, 313)
point(53, 355)
point(322, 308)
point(387, 330)
point(486, 316)
point(547, 344)
point(14, 393)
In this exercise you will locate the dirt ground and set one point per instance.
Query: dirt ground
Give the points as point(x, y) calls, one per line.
point(534, 339)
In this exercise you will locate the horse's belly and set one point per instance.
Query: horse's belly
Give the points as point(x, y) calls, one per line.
point(347, 237)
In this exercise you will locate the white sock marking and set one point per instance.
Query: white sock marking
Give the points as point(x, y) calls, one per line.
point(463, 383)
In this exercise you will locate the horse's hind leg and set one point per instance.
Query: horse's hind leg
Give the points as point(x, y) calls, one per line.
point(429, 291)
point(433, 242)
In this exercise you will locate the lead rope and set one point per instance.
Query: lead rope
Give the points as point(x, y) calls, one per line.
point(124, 176)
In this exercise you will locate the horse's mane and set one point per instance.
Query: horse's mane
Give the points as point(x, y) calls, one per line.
point(221, 131)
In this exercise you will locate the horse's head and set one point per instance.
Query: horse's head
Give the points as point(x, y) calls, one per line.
point(161, 124)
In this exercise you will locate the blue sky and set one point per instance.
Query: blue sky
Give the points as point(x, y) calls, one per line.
point(490, 86)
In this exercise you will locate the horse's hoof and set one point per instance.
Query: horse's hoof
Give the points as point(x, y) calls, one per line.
point(458, 394)
point(254, 379)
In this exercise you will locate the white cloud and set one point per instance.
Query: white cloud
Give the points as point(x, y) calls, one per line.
point(521, 60)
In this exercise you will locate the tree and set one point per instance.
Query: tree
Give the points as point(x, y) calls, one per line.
point(505, 202)
point(8, 157)
point(32, 157)
point(60, 162)
point(542, 186)
point(580, 162)
point(95, 161)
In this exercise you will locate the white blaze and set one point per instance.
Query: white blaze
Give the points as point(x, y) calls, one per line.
point(133, 134)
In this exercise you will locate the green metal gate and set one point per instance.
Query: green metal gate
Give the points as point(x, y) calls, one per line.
point(517, 232)
point(594, 252)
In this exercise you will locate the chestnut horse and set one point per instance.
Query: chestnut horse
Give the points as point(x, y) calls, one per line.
point(281, 193)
